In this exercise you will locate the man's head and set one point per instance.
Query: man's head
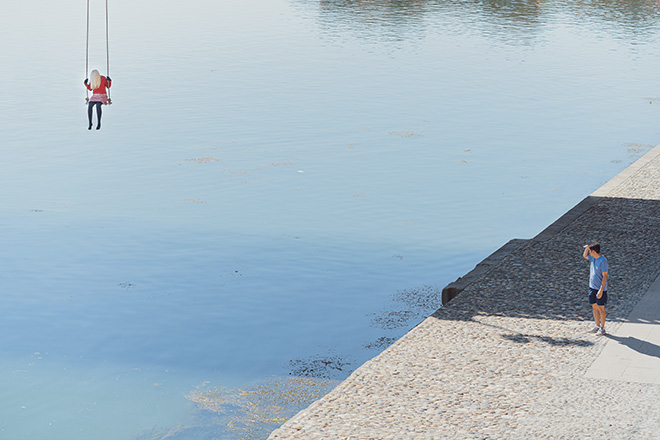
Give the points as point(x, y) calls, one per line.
point(595, 247)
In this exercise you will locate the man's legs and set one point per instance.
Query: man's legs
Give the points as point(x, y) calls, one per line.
point(602, 315)
point(596, 309)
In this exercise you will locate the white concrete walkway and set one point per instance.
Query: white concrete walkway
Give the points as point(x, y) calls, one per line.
point(632, 353)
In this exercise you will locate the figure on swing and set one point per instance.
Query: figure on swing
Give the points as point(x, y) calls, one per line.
point(99, 86)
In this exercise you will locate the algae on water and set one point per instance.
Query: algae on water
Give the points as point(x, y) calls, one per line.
point(254, 411)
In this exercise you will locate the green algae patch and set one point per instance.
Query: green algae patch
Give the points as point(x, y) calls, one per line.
point(255, 411)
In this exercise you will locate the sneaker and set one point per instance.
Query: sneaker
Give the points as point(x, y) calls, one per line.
point(594, 330)
point(600, 332)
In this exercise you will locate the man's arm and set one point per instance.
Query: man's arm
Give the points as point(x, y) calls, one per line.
point(585, 254)
point(602, 286)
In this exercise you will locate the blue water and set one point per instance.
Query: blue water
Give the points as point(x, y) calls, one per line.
point(281, 187)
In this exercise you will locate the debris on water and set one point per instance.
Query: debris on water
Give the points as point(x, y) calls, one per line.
point(404, 134)
point(635, 148)
point(252, 412)
point(320, 367)
point(183, 433)
point(203, 160)
point(424, 300)
point(392, 319)
point(420, 302)
point(380, 344)
point(232, 172)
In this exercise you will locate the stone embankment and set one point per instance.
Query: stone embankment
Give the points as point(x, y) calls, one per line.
point(507, 357)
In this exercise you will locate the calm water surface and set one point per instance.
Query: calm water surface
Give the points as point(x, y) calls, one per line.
point(281, 188)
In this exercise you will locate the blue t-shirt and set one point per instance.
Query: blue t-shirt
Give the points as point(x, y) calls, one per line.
point(596, 269)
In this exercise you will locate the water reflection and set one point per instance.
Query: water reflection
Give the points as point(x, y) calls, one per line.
point(374, 19)
point(511, 20)
point(633, 19)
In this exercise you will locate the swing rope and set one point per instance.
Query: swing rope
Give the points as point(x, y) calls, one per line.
point(87, 55)
point(107, 51)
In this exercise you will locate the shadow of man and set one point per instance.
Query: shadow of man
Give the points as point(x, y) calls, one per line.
point(638, 345)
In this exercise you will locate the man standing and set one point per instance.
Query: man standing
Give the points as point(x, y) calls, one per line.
point(597, 285)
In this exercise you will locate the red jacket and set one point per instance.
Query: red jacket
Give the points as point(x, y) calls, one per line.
point(102, 89)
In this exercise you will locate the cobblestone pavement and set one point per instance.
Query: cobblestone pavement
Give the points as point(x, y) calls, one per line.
point(507, 358)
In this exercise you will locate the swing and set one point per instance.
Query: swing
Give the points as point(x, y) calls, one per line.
point(107, 52)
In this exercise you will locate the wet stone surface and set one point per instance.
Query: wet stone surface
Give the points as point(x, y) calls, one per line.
point(507, 357)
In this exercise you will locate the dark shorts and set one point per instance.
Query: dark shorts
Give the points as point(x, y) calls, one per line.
point(599, 301)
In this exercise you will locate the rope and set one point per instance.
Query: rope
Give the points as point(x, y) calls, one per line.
point(107, 48)
point(87, 55)
point(107, 51)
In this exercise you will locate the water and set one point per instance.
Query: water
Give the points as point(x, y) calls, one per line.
point(281, 187)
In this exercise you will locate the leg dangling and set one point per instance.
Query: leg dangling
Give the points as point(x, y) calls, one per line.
point(99, 112)
point(90, 109)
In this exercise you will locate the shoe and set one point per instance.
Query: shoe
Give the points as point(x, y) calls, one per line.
point(594, 330)
point(600, 332)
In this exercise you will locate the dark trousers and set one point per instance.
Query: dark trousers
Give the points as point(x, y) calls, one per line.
point(99, 112)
